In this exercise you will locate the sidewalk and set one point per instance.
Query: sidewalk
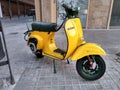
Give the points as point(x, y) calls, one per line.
point(37, 74)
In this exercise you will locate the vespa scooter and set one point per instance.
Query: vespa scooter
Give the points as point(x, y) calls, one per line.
point(89, 64)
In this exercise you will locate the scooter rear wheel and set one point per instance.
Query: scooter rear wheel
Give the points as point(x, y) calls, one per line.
point(39, 54)
point(32, 44)
point(86, 71)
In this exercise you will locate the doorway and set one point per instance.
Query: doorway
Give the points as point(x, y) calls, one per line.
point(115, 18)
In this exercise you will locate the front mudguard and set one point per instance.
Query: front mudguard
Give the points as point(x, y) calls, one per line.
point(87, 49)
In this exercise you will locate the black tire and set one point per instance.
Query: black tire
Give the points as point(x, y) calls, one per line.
point(39, 54)
point(84, 70)
point(32, 44)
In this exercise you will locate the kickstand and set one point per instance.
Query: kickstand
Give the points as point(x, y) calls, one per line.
point(68, 62)
point(54, 67)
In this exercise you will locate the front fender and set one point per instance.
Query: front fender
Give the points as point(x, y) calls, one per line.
point(87, 49)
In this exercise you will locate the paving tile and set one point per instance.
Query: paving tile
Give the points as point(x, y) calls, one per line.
point(84, 87)
point(62, 88)
point(69, 88)
point(68, 82)
point(55, 88)
point(91, 87)
point(24, 87)
point(99, 87)
point(76, 87)
point(43, 88)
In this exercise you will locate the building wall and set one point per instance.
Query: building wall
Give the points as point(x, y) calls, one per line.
point(14, 9)
point(38, 10)
point(98, 15)
point(5, 10)
point(24, 6)
point(45, 10)
point(30, 2)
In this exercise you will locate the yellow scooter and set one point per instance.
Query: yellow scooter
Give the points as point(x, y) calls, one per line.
point(89, 63)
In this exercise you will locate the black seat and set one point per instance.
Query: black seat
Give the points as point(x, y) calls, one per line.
point(44, 26)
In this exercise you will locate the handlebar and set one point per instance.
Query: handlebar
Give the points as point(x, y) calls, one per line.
point(70, 12)
point(26, 33)
point(67, 8)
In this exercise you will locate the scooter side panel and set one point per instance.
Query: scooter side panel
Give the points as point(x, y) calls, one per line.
point(46, 42)
point(74, 34)
point(87, 49)
point(39, 36)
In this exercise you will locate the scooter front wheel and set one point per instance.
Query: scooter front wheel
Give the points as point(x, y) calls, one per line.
point(90, 71)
